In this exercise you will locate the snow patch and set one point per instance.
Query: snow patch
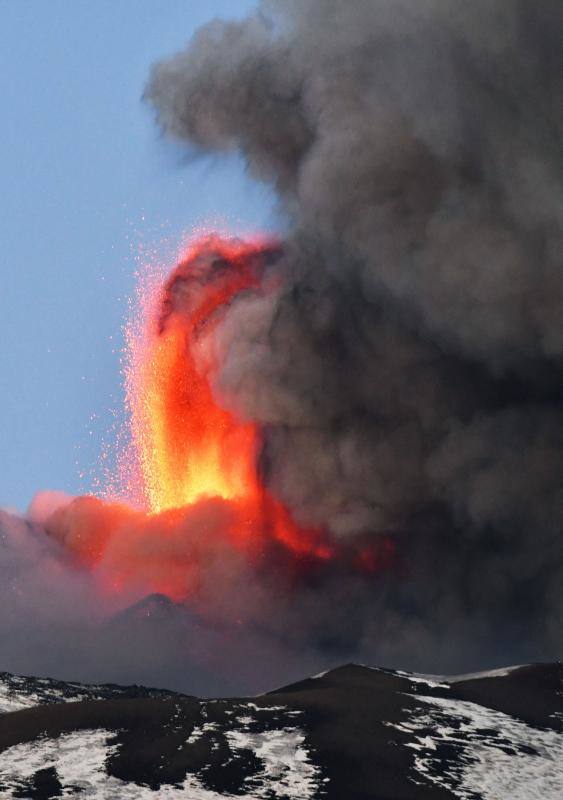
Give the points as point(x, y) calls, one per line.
point(287, 771)
point(198, 733)
point(433, 681)
point(11, 701)
point(492, 673)
point(18, 692)
point(474, 751)
point(80, 758)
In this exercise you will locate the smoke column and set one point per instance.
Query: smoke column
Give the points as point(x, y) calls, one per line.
point(407, 376)
point(384, 382)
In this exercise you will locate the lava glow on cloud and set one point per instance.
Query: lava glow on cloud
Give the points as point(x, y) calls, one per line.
point(199, 499)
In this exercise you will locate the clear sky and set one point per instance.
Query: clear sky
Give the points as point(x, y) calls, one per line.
point(85, 180)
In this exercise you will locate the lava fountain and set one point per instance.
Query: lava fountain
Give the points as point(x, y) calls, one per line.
point(187, 445)
point(204, 503)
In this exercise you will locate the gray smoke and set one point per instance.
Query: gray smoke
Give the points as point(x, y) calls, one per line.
point(55, 622)
point(407, 375)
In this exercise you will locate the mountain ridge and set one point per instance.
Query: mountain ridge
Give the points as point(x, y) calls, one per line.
point(352, 733)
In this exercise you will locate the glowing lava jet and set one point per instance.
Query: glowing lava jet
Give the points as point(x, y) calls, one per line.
point(189, 447)
point(204, 507)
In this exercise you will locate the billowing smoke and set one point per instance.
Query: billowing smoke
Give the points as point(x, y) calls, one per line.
point(401, 365)
point(407, 376)
point(55, 620)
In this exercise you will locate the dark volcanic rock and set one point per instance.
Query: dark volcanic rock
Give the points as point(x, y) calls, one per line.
point(351, 734)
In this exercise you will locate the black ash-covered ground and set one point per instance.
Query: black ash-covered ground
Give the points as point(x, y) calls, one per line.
point(351, 734)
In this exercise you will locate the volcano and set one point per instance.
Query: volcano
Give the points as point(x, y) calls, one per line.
point(343, 445)
point(191, 485)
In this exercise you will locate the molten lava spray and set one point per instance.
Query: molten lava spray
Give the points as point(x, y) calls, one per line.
point(200, 489)
point(187, 445)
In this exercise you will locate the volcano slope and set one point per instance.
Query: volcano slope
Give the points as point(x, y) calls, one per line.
point(350, 734)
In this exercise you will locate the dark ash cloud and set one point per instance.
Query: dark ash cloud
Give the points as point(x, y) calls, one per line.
point(405, 371)
point(407, 374)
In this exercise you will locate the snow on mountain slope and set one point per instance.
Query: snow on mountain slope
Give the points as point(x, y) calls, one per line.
point(75, 764)
point(18, 692)
point(353, 733)
point(477, 752)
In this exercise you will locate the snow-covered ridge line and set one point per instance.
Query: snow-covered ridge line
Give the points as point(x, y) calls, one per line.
point(18, 692)
point(444, 681)
point(502, 672)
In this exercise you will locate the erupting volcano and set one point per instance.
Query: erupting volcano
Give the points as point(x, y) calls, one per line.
point(201, 494)
point(340, 443)
point(189, 448)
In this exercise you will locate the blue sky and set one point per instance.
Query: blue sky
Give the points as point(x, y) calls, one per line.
point(85, 179)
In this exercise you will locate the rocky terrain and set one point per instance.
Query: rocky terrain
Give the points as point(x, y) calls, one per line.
point(350, 734)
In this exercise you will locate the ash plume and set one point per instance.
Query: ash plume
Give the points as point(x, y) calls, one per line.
point(407, 373)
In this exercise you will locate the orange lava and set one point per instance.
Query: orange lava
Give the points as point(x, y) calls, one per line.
point(203, 515)
point(189, 447)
